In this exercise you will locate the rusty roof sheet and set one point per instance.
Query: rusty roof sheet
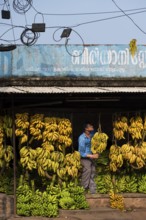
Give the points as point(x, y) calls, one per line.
point(56, 90)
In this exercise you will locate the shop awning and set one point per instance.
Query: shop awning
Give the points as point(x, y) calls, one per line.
point(67, 90)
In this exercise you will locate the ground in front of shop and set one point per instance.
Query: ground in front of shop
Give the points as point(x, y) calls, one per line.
point(101, 213)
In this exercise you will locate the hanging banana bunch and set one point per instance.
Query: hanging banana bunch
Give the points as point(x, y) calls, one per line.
point(72, 163)
point(22, 124)
point(136, 127)
point(7, 125)
point(99, 142)
point(28, 158)
point(120, 126)
point(116, 158)
point(1, 131)
point(133, 47)
point(6, 155)
point(36, 126)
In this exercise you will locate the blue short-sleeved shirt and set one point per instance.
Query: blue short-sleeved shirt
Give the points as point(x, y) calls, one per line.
point(84, 145)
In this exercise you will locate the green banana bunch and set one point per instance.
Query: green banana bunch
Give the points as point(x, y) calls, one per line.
point(67, 203)
point(142, 184)
point(121, 183)
point(131, 183)
point(7, 125)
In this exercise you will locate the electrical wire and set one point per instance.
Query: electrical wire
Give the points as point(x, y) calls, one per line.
point(85, 13)
point(12, 24)
point(105, 19)
point(129, 17)
point(20, 7)
point(66, 46)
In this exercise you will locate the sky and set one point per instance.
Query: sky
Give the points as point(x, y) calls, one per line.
point(92, 21)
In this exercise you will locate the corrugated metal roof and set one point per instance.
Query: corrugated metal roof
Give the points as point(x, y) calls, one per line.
point(55, 90)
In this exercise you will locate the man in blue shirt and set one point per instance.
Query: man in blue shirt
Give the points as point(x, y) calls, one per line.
point(87, 158)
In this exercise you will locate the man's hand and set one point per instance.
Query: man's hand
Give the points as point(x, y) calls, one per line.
point(93, 156)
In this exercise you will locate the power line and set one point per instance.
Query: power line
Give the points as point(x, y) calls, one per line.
point(129, 18)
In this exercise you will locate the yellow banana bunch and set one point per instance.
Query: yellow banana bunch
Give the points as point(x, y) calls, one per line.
point(48, 146)
point(116, 201)
point(36, 126)
point(72, 163)
point(133, 47)
point(120, 126)
point(144, 124)
point(57, 156)
point(143, 150)
point(50, 120)
point(116, 158)
point(8, 154)
point(50, 136)
point(44, 162)
point(72, 171)
point(61, 172)
point(99, 142)
point(21, 121)
point(65, 140)
point(28, 158)
point(118, 134)
point(136, 127)
point(64, 127)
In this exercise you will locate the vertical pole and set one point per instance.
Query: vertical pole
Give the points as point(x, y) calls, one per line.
point(14, 151)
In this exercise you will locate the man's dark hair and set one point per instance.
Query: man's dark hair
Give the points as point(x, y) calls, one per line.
point(86, 124)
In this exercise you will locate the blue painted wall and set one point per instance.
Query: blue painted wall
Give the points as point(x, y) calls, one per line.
point(53, 60)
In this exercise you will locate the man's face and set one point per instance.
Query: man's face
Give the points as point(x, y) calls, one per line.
point(89, 128)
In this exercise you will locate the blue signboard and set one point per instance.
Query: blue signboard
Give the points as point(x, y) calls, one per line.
point(76, 61)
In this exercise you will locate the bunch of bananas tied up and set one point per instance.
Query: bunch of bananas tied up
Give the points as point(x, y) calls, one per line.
point(1, 131)
point(136, 155)
point(36, 126)
point(120, 126)
point(72, 163)
point(116, 158)
point(136, 127)
point(50, 132)
point(64, 127)
point(6, 155)
point(99, 142)
point(48, 160)
point(22, 125)
point(133, 47)
point(7, 125)
point(116, 201)
point(28, 158)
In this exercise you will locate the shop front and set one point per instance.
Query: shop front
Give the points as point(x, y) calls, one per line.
point(102, 84)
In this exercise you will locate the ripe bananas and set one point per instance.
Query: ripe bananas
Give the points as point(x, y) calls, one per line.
point(133, 47)
point(99, 142)
point(27, 158)
point(116, 201)
point(120, 126)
